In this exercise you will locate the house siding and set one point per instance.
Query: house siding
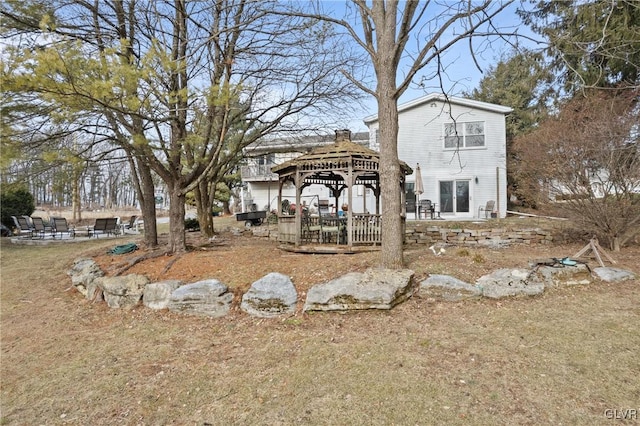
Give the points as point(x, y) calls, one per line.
point(421, 141)
point(262, 194)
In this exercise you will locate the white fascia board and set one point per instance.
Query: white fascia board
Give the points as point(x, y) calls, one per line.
point(441, 98)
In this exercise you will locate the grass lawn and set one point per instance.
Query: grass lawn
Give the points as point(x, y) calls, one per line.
point(565, 357)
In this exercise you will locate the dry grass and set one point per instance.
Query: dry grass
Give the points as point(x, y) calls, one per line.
point(560, 358)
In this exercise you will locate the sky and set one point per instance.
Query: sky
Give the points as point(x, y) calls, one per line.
point(461, 73)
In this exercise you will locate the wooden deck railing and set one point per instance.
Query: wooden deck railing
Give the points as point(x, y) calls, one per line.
point(366, 229)
point(287, 229)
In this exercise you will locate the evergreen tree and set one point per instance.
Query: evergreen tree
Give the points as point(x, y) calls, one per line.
point(592, 43)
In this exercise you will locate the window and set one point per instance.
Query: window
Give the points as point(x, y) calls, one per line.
point(375, 141)
point(464, 135)
point(265, 160)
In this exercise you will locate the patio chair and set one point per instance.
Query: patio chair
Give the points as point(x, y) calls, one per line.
point(22, 225)
point(107, 226)
point(60, 226)
point(39, 227)
point(330, 227)
point(310, 230)
point(487, 209)
point(130, 226)
point(426, 206)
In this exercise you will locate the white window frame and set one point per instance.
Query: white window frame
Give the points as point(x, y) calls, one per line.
point(465, 134)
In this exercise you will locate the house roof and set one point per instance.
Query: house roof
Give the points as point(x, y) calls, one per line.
point(303, 143)
point(325, 160)
point(439, 97)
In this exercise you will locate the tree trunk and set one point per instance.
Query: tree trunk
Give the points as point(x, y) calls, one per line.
point(385, 62)
point(177, 239)
point(145, 190)
point(203, 208)
point(146, 196)
point(75, 197)
point(615, 243)
point(392, 238)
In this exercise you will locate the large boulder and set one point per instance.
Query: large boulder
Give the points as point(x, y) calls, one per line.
point(156, 295)
point(563, 275)
point(207, 298)
point(270, 296)
point(373, 289)
point(610, 274)
point(447, 288)
point(509, 282)
point(124, 291)
point(83, 273)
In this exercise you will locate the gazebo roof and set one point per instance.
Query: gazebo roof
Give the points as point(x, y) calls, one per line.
point(341, 155)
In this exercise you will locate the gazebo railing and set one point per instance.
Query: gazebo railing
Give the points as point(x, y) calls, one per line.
point(366, 229)
point(287, 229)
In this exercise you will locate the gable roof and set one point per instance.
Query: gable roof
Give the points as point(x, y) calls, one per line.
point(299, 143)
point(439, 97)
point(342, 155)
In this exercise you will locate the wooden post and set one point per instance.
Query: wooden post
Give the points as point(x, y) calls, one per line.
point(497, 192)
point(594, 246)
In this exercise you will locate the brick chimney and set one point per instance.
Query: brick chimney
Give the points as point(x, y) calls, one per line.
point(343, 135)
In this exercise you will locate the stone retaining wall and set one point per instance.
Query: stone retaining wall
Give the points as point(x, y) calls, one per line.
point(417, 233)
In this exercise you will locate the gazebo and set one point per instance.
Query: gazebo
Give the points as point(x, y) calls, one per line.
point(342, 165)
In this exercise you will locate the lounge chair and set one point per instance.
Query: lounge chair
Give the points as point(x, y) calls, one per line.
point(60, 226)
point(131, 226)
point(40, 228)
point(23, 226)
point(107, 226)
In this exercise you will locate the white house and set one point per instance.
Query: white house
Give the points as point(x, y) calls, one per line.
point(460, 145)
point(260, 189)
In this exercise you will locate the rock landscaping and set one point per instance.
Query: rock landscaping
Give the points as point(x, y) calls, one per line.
point(448, 288)
point(157, 295)
point(419, 233)
point(275, 294)
point(208, 298)
point(270, 296)
point(122, 292)
point(373, 289)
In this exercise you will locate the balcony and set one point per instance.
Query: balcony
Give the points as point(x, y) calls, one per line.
point(258, 173)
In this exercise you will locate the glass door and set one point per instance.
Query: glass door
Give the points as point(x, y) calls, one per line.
point(454, 196)
point(462, 196)
point(446, 196)
point(410, 197)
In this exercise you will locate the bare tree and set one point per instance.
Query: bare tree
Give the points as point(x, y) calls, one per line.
point(401, 39)
point(147, 67)
point(586, 162)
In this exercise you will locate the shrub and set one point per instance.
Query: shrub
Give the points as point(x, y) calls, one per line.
point(463, 252)
point(191, 224)
point(16, 201)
